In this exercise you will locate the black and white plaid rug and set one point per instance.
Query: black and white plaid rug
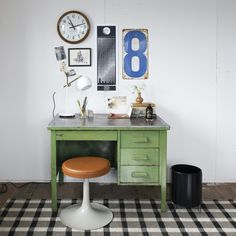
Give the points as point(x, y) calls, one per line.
point(131, 217)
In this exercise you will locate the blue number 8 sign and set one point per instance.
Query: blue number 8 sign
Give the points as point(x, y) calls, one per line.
point(135, 54)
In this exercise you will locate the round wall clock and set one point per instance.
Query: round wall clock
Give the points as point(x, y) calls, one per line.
point(73, 27)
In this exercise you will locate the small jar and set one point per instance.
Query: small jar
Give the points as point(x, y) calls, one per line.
point(149, 112)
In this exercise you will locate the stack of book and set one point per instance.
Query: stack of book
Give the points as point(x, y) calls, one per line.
point(139, 109)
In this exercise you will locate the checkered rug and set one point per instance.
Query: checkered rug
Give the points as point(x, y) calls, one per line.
point(131, 217)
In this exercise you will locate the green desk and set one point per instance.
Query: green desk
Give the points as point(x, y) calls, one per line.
point(140, 148)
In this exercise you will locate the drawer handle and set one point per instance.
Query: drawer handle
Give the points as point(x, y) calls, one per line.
point(138, 157)
point(59, 135)
point(140, 140)
point(136, 174)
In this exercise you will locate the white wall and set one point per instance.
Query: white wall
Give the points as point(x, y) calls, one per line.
point(192, 58)
point(226, 91)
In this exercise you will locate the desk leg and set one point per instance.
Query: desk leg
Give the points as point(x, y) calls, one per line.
point(163, 154)
point(53, 172)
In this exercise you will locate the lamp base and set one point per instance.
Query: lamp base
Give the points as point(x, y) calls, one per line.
point(66, 115)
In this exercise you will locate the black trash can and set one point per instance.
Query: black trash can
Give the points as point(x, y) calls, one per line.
point(186, 187)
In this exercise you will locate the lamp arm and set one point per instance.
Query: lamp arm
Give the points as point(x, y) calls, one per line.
point(67, 81)
point(68, 84)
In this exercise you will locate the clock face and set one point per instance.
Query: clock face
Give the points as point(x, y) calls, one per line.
point(73, 26)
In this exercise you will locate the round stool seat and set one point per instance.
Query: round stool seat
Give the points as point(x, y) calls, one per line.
point(86, 167)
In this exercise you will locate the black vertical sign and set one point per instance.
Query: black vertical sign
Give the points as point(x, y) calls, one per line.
point(106, 58)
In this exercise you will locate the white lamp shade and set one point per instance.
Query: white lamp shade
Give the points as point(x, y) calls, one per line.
point(84, 83)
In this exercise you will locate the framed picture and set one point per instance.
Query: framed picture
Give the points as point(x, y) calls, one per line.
point(60, 53)
point(135, 53)
point(79, 56)
point(106, 58)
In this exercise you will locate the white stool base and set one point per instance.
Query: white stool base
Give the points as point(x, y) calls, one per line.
point(94, 216)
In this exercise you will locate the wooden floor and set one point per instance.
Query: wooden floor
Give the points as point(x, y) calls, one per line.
point(110, 191)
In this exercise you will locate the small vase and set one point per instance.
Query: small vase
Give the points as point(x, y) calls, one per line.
point(139, 99)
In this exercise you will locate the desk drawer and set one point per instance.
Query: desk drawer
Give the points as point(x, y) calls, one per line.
point(139, 174)
point(87, 135)
point(139, 156)
point(139, 139)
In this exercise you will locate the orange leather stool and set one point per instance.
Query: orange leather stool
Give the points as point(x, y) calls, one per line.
point(86, 216)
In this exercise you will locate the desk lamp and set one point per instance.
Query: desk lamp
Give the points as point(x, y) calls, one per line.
point(83, 82)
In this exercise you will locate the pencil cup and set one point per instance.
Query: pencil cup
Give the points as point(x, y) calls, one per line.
point(83, 113)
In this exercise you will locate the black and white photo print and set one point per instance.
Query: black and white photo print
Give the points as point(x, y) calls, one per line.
point(106, 58)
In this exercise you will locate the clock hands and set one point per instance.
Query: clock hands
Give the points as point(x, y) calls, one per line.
point(76, 25)
point(70, 22)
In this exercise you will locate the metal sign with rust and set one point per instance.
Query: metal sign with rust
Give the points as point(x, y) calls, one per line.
point(135, 54)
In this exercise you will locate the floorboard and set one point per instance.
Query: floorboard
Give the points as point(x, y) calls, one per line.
point(223, 191)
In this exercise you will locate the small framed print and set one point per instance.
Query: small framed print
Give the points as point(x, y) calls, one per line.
point(60, 53)
point(79, 56)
